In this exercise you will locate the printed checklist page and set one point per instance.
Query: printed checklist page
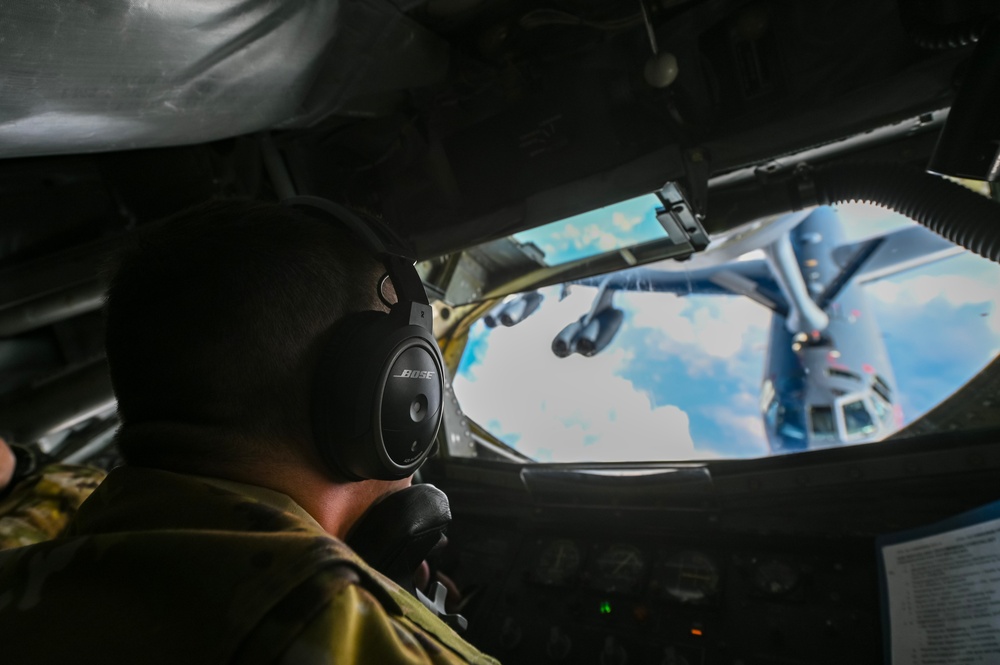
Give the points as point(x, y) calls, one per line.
point(941, 591)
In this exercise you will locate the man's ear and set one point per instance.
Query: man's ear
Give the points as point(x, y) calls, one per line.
point(7, 465)
point(387, 292)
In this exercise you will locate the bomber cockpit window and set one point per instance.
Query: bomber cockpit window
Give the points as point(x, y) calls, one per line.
point(824, 426)
point(857, 419)
point(791, 422)
point(882, 389)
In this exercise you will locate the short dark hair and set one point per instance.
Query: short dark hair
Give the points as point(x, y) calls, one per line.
point(214, 317)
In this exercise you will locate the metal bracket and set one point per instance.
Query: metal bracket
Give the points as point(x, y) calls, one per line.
point(456, 621)
point(680, 220)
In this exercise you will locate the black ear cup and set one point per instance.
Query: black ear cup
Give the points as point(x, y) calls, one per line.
point(377, 397)
point(378, 391)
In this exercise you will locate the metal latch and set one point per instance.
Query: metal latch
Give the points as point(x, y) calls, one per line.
point(679, 219)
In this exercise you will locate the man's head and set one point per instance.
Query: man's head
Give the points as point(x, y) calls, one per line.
point(214, 320)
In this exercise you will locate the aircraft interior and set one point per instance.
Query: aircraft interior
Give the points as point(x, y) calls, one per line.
point(460, 123)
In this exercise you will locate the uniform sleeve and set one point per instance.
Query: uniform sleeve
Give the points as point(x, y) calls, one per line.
point(354, 629)
point(41, 508)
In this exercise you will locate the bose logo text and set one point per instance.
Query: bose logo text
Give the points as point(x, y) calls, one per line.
point(413, 374)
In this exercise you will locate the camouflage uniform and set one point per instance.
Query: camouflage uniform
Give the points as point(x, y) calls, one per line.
point(40, 505)
point(162, 567)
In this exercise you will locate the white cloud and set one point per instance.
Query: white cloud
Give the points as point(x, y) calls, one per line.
point(570, 231)
point(746, 428)
point(719, 333)
point(595, 235)
point(957, 290)
point(569, 409)
point(663, 312)
point(624, 223)
point(917, 292)
point(579, 239)
point(591, 235)
point(559, 241)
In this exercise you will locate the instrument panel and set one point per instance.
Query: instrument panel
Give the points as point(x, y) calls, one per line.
point(681, 576)
point(619, 600)
point(774, 564)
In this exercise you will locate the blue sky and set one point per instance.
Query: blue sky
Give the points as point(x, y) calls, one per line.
point(682, 378)
point(613, 227)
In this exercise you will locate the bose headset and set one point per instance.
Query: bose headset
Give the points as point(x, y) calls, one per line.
point(376, 401)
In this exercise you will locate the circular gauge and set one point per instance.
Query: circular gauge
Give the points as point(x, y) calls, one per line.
point(558, 562)
point(619, 569)
point(774, 577)
point(689, 577)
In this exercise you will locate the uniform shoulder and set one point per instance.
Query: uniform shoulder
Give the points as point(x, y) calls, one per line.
point(336, 616)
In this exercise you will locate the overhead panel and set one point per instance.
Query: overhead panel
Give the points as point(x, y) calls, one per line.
point(110, 75)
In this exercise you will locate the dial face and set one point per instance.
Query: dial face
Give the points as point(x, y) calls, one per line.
point(688, 577)
point(618, 569)
point(558, 563)
point(774, 577)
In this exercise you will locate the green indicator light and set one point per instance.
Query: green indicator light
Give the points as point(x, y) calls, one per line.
point(605, 607)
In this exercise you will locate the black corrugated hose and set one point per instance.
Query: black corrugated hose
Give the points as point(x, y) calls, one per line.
point(946, 37)
point(960, 215)
point(935, 35)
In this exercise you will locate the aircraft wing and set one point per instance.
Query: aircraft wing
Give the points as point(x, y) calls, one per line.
point(752, 279)
point(882, 256)
point(896, 252)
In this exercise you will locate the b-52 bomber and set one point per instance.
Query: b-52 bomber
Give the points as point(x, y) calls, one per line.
point(828, 379)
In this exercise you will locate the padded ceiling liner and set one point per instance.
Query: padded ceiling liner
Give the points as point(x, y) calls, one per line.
point(99, 75)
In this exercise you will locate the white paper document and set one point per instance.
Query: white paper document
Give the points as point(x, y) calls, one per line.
point(941, 591)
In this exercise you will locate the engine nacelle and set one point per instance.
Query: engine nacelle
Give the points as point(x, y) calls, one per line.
point(520, 308)
point(513, 311)
point(565, 342)
point(599, 332)
point(591, 338)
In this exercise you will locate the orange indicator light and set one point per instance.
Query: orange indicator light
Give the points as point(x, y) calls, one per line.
point(696, 631)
